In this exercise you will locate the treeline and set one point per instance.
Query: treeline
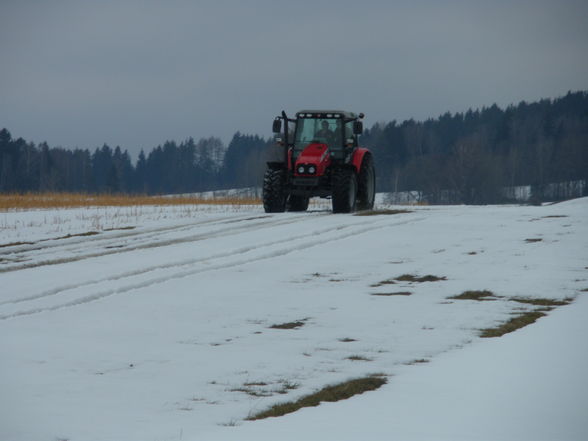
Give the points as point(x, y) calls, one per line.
point(169, 168)
point(466, 157)
point(472, 157)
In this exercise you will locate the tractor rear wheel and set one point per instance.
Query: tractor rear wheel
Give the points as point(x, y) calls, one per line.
point(344, 184)
point(274, 191)
point(366, 191)
point(297, 203)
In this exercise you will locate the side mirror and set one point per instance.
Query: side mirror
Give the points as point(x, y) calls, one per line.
point(277, 125)
point(357, 127)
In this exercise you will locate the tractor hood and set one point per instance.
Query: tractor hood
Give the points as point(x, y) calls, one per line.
point(313, 160)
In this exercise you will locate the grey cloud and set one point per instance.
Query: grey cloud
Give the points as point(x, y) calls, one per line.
point(137, 73)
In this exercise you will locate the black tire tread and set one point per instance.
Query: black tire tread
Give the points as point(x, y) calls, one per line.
point(364, 202)
point(274, 194)
point(343, 179)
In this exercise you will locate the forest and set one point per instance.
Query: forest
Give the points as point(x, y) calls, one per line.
point(471, 157)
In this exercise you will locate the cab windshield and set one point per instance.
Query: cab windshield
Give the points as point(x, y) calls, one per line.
point(323, 130)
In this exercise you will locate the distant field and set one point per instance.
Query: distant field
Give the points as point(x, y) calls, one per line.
point(15, 201)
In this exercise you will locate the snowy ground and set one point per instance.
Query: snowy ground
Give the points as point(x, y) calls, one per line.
point(158, 327)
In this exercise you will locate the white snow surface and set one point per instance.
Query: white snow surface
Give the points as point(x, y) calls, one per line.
point(158, 327)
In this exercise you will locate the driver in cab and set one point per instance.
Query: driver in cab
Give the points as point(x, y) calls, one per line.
point(326, 133)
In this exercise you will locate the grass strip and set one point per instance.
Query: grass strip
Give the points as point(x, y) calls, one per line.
point(15, 244)
point(383, 282)
point(518, 322)
point(358, 358)
point(338, 392)
point(387, 294)
point(288, 325)
point(413, 278)
point(475, 295)
point(542, 302)
point(383, 211)
point(27, 201)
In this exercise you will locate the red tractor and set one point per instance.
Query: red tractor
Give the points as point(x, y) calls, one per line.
point(320, 157)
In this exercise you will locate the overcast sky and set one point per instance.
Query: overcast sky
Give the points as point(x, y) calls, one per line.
point(137, 73)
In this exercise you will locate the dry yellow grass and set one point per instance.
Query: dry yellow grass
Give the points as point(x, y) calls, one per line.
point(16, 201)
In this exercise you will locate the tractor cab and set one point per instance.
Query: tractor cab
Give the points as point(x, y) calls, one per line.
point(335, 129)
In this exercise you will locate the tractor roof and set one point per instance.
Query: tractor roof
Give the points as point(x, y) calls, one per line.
point(324, 113)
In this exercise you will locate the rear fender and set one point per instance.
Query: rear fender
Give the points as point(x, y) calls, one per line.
point(357, 158)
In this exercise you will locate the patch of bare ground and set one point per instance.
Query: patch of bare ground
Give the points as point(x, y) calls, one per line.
point(68, 236)
point(381, 211)
point(542, 302)
point(417, 361)
point(289, 325)
point(119, 228)
point(419, 279)
point(475, 295)
point(382, 283)
point(347, 340)
point(15, 244)
point(554, 216)
point(358, 358)
point(515, 323)
point(533, 240)
point(408, 278)
point(387, 294)
point(337, 392)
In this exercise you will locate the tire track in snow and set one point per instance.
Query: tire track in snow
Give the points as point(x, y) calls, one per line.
point(84, 240)
point(80, 243)
point(185, 262)
point(160, 243)
point(356, 229)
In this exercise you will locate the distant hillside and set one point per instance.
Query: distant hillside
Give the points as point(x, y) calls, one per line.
point(469, 157)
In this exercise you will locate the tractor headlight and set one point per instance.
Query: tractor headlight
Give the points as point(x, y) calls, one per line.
point(312, 170)
point(301, 169)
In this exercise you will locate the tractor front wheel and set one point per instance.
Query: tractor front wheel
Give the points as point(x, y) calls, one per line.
point(274, 191)
point(344, 183)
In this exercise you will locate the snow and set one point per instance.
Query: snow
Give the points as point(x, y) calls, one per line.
point(163, 331)
point(526, 385)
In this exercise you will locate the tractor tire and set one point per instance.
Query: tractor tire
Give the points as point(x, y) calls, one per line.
point(297, 203)
point(344, 184)
point(366, 191)
point(274, 191)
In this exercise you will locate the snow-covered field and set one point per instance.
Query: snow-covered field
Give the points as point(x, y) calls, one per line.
point(155, 323)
